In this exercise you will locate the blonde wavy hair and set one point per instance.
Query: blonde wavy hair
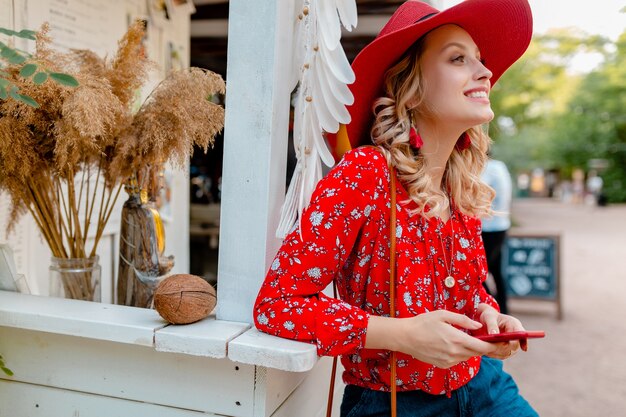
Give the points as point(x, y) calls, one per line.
point(390, 132)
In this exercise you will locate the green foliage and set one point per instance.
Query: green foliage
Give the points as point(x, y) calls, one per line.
point(63, 79)
point(24, 33)
point(11, 56)
point(552, 118)
point(523, 151)
point(28, 70)
point(594, 123)
point(40, 78)
point(539, 84)
point(3, 367)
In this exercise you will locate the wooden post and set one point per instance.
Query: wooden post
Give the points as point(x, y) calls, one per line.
point(255, 149)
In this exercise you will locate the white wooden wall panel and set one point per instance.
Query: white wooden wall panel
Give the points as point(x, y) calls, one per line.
point(26, 400)
point(278, 386)
point(129, 372)
point(310, 398)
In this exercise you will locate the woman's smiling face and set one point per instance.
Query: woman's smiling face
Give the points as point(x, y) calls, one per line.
point(456, 82)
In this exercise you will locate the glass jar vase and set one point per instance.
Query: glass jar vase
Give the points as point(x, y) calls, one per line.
point(76, 278)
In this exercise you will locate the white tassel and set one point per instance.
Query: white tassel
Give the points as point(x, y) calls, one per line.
point(298, 43)
point(338, 89)
point(322, 71)
point(319, 142)
point(347, 13)
point(329, 24)
point(327, 120)
point(336, 108)
point(338, 63)
point(289, 212)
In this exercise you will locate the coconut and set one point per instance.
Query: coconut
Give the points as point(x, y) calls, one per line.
point(184, 298)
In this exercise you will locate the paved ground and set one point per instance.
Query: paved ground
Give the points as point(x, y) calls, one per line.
point(579, 370)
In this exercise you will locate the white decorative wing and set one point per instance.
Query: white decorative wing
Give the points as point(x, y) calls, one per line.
point(322, 73)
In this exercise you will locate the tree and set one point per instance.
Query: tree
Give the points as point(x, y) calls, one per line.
point(593, 125)
point(530, 94)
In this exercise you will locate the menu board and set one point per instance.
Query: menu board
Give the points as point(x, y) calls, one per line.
point(80, 23)
point(83, 24)
point(531, 266)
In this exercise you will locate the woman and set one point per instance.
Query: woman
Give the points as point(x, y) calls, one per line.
point(427, 78)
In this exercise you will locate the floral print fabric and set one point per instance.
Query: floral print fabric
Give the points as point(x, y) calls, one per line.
point(344, 236)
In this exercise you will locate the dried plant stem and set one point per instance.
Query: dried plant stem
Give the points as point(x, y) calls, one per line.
point(68, 213)
point(77, 244)
point(59, 223)
point(84, 192)
point(45, 232)
point(82, 183)
point(103, 216)
point(93, 201)
point(47, 206)
point(77, 277)
point(47, 217)
point(51, 214)
point(45, 221)
point(60, 201)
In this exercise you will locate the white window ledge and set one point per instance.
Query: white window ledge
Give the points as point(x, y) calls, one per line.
point(139, 326)
point(254, 347)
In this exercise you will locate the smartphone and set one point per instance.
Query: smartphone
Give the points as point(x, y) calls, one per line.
point(508, 336)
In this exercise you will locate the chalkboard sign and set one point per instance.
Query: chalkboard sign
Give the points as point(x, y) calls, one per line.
point(531, 267)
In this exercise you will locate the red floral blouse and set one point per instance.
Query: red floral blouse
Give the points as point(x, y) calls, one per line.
point(345, 237)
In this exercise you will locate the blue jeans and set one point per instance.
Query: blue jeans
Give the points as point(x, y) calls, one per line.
point(491, 393)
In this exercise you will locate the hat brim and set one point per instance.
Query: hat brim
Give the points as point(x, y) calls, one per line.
point(501, 29)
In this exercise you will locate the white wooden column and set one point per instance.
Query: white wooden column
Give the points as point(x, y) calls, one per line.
point(255, 149)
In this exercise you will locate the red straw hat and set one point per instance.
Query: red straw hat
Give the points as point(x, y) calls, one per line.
point(501, 29)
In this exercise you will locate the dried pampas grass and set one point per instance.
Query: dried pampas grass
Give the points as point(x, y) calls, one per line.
point(175, 117)
point(66, 161)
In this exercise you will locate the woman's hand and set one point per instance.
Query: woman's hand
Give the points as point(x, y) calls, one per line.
point(495, 322)
point(432, 337)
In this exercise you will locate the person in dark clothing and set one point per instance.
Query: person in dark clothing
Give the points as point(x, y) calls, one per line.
point(494, 228)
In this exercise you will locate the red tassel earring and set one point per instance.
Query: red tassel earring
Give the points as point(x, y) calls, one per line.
point(464, 142)
point(415, 139)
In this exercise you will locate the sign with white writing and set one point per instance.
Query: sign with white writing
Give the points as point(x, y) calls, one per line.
point(531, 266)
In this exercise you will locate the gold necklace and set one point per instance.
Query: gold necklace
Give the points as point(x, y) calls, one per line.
point(449, 281)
